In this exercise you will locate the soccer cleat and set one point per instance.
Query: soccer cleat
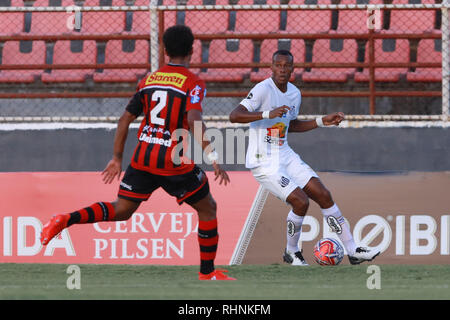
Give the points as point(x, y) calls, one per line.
point(361, 255)
point(215, 275)
point(56, 224)
point(295, 259)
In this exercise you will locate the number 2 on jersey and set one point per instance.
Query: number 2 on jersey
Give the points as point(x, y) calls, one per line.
point(162, 97)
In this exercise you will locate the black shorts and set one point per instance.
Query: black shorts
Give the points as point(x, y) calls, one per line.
point(138, 185)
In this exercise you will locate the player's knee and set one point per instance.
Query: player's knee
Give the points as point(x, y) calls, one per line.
point(212, 207)
point(299, 204)
point(207, 209)
point(124, 212)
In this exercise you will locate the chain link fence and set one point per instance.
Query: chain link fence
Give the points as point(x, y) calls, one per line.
point(85, 57)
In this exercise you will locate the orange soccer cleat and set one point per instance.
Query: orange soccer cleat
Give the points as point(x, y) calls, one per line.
point(56, 224)
point(215, 275)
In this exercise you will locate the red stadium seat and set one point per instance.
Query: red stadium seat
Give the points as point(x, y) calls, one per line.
point(400, 54)
point(426, 52)
point(114, 54)
point(12, 22)
point(169, 16)
point(141, 22)
point(306, 21)
point(361, 2)
point(46, 3)
point(145, 2)
point(354, 21)
point(411, 21)
point(169, 19)
point(51, 22)
point(42, 3)
point(62, 54)
point(268, 47)
point(413, 2)
point(242, 2)
point(103, 22)
point(218, 54)
point(257, 21)
point(92, 22)
point(12, 55)
point(322, 53)
point(207, 21)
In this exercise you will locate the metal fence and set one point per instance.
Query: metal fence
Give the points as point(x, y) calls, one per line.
point(82, 59)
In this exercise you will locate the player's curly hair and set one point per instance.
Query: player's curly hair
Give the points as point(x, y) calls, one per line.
point(178, 41)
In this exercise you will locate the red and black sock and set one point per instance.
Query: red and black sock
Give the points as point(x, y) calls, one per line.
point(208, 239)
point(100, 211)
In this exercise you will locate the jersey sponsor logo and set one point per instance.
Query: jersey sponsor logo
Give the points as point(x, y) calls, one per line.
point(250, 95)
point(149, 130)
point(276, 134)
point(147, 136)
point(155, 140)
point(195, 94)
point(277, 130)
point(174, 79)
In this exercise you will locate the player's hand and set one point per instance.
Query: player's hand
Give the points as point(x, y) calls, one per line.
point(113, 169)
point(220, 173)
point(333, 119)
point(279, 112)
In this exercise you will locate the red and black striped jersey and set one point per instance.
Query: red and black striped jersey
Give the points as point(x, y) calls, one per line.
point(164, 97)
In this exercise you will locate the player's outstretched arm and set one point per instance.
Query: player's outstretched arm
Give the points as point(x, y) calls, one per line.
point(114, 166)
point(195, 116)
point(241, 115)
point(333, 119)
point(306, 125)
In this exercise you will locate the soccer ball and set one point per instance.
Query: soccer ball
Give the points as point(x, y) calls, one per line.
point(328, 252)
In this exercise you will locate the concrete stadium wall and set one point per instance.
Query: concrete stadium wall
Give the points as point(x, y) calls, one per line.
point(328, 149)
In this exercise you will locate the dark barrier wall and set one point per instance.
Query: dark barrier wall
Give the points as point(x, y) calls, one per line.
point(324, 149)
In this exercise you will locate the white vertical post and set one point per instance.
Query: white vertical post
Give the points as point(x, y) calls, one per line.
point(445, 62)
point(154, 36)
point(249, 227)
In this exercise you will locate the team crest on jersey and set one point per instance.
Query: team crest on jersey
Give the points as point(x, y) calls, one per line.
point(284, 181)
point(292, 112)
point(195, 94)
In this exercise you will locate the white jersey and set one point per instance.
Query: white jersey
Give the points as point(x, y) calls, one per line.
point(268, 137)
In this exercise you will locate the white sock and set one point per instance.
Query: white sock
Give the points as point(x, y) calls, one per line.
point(345, 235)
point(293, 230)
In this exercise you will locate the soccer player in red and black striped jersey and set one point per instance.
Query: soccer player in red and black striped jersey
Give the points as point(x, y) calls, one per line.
point(170, 102)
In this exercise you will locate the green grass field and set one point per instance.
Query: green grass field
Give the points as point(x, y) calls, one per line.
point(276, 282)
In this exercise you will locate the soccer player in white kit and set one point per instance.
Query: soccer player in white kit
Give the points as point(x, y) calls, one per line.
point(271, 108)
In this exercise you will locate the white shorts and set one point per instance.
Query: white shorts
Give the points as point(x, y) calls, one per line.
point(292, 172)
